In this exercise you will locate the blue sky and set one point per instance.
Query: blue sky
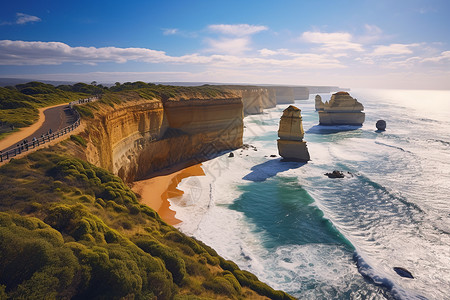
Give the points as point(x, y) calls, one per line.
point(377, 44)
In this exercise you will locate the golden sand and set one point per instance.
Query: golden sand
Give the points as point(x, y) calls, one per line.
point(156, 191)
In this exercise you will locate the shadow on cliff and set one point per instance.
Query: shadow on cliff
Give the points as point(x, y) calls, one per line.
point(330, 129)
point(271, 168)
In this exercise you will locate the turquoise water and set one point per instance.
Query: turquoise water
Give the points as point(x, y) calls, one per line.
point(322, 238)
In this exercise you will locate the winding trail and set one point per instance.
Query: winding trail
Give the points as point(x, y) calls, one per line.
point(53, 117)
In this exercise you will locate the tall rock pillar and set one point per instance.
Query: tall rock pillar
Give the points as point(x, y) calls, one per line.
point(290, 143)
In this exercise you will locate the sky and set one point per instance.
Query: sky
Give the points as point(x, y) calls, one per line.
point(402, 44)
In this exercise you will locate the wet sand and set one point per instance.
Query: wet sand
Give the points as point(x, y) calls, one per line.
point(156, 191)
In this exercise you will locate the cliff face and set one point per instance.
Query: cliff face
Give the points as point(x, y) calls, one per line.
point(284, 94)
point(255, 99)
point(143, 136)
point(301, 93)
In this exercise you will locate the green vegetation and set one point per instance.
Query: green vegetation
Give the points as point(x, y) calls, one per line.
point(19, 104)
point(69, 229)
point(79, 140)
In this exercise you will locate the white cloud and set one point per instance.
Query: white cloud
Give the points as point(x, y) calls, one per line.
point(170, 31)
point(228, 46)
point(48, 53)
point(332, 41)
point(393, 49)
point(237, 29)
point(22, 18)
point(372, 34)
point(442, 57)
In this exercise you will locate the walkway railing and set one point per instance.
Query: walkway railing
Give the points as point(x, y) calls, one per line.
point(24, 147)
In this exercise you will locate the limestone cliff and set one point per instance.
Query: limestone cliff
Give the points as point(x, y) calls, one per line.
point(254, 98)
point(141, 136)
point(291, 145)
point(301, 93)
point(342, 109)
point(284, 94)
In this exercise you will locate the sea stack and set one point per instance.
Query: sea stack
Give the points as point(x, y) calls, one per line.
point(342, 109)
point(290, 143)
point(319, 103)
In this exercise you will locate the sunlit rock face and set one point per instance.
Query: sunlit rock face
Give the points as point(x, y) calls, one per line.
point(342, 109)
point(139, 137)
point(290, 143)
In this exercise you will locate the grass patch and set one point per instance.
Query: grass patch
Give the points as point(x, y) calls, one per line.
point(79, 140)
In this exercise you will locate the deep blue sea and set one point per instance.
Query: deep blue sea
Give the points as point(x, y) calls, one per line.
point(321, 238)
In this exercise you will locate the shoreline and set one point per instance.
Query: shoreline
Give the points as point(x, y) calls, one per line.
point(156, 191)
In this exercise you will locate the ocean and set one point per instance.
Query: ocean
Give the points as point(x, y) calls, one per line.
point(322, 238)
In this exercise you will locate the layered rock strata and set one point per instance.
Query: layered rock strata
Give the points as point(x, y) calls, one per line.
point(290, 143)
point(143, 136)
point(342, 109)
point(255, 99)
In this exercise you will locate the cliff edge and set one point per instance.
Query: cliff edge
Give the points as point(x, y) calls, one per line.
point(140, 135)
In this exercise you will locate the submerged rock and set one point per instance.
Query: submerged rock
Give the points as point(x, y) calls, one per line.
point(290, 143)
point(342, 109)
point(381, 125)
point(403, 272)
point(335, 174)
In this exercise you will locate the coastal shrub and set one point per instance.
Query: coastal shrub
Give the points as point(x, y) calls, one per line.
point(69, 246)
point(35, 263)
point(221, 286)
point(84, 111)
point(174, 263)
point(234, 282)
point(228, 265)
point(79, 140)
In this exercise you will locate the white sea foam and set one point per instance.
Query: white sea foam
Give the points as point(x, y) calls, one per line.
point(393, 208)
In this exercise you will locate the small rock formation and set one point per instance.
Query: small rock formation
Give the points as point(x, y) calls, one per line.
point(290, 143)
point(403, 272)
point(335, 174)
point(342, 109)
point(381, 125)
point(319, 103)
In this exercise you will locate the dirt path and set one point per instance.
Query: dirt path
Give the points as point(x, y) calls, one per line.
point(53, 117)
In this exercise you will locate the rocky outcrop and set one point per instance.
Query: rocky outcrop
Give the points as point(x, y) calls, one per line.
point(142, 136)
point(318, 103)
point(290, 143)
point(342, 109)
point(381, 125)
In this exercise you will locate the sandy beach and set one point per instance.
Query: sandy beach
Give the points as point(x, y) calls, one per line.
point(156, 191)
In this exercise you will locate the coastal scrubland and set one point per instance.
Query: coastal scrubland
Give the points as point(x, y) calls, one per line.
point(72, 230)
point(19, 104)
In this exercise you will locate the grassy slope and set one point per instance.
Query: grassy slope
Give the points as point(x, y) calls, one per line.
point(69, 229)
point(19, 105)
